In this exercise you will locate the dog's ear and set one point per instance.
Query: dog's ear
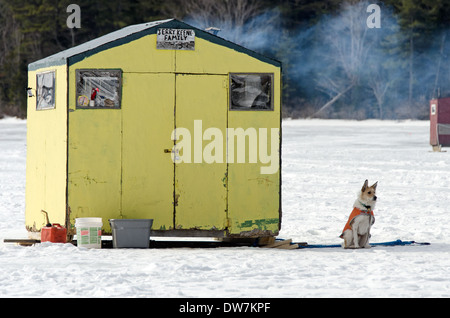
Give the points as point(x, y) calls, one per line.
point(366, 184)
point(374, 186)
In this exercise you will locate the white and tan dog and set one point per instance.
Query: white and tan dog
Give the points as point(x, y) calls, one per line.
point(356, 232)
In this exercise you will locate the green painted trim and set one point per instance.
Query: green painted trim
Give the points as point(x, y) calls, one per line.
point(45, 63)
point(261, 224)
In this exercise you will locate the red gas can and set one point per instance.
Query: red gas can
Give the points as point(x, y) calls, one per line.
point(55, 234)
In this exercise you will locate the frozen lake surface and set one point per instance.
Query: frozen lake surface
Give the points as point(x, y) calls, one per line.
point(325, 163)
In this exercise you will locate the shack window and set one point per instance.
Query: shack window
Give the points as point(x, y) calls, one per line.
point(251, 91)
point(100, 89)
point(45, 92)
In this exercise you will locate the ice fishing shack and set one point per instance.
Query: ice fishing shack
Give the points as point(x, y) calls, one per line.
point(160, 121)
point(440, 123)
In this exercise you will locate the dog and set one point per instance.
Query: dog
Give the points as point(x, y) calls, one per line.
point(356, 232)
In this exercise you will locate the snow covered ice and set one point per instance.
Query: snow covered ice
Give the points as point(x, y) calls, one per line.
point(325, 163)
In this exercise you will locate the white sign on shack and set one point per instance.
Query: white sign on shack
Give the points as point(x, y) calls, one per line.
point(175, 39)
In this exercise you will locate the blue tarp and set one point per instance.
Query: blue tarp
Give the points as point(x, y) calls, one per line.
point(391, 243)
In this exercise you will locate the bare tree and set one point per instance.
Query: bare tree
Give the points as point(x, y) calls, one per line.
point(236, 12)
point(237, 19)
point(379, 85)
point(345, 51)
point(10, 36)
point(10, 41)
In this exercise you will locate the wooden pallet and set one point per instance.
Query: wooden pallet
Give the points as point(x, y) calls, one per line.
point(22, 242)
point(281, 244)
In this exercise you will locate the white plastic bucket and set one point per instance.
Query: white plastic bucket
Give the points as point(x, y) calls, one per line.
point(89, 232)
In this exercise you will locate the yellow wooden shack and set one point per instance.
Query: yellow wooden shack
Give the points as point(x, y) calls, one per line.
point(161, 121)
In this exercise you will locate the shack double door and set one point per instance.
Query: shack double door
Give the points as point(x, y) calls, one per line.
point(183, 195)
point(137, 154)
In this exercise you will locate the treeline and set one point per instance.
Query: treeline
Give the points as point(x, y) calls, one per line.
point(334, 64)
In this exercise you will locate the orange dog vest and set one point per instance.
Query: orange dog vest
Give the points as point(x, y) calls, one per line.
point(354, 214)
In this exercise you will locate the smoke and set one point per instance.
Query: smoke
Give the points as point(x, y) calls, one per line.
point(257, 33)
point(342, 68)
point(347, 66)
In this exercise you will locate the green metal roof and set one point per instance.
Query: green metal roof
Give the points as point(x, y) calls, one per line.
point(131, 33)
